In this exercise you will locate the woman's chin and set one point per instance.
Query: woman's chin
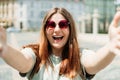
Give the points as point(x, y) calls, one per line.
point(57, 46)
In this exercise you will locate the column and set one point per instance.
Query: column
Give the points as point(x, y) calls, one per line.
point(95, 22)
point(82, 23)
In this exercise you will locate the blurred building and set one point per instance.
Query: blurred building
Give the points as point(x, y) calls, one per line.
point(28, 14)
point(106, 10)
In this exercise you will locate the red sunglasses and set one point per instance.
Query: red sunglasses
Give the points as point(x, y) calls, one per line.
point(63, 24)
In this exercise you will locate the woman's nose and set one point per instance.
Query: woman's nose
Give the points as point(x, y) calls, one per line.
point(57, 28)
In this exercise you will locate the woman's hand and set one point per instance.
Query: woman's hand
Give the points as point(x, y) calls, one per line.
point(3, 40)
point(114, 34)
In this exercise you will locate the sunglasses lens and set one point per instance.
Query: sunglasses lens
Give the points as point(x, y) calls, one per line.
point(51, 24)
point(63, 24)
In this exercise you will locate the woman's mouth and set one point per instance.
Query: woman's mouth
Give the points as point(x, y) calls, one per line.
point(57, 38)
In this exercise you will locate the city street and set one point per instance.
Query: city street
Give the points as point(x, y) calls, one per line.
point(88, 41)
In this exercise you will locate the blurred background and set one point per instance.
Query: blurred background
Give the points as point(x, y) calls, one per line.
point(22, 20)
point(92, 16)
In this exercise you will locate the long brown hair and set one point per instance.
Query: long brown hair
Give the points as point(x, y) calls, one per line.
point(70, 65)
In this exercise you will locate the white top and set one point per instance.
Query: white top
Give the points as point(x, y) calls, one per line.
point(49, 73)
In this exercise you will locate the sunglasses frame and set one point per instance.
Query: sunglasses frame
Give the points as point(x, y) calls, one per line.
point(63, 24)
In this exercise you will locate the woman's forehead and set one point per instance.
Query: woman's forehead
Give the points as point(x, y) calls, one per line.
point(57, 17)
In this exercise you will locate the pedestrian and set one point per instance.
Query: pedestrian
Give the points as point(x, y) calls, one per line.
point(57, 56)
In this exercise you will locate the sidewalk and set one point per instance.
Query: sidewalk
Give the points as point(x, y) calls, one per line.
point(92, 41)
point(94, 38)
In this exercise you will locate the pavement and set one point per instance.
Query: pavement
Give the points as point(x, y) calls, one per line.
point(90, 41)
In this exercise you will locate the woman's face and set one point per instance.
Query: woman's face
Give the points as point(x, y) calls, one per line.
point(57, 31)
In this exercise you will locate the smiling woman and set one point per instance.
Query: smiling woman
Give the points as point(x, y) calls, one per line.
point(57, 55)
point(57, 32)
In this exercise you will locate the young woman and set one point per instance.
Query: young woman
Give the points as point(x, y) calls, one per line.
point(57, 56)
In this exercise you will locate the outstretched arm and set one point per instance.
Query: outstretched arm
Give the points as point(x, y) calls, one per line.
point(104, 56)
point(12, 56)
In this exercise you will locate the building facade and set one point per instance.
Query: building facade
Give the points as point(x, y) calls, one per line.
point(28, 14)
